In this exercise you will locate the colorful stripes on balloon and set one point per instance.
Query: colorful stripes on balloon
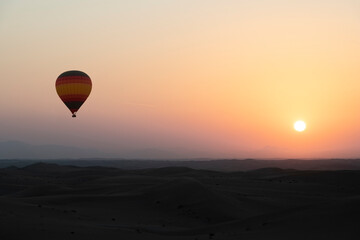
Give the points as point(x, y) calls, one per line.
point(73, 87)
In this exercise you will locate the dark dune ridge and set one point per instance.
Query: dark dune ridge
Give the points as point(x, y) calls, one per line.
point(229, 165)
point(50, 201)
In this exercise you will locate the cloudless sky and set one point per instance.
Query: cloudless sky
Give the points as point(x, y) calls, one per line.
point(203, 78)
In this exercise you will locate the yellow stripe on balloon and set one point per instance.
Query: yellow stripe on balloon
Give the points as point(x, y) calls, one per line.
point(73, 88)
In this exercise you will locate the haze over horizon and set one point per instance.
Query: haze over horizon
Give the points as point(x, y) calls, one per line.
point(197, 78)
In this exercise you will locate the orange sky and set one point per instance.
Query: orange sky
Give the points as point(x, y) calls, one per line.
point(199, 78)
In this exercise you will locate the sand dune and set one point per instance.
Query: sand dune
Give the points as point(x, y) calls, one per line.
point(48, 201)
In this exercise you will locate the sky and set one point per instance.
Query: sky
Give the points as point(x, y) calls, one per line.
point(199, 78)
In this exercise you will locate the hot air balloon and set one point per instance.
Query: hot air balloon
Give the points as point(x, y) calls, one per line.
point(73, 88)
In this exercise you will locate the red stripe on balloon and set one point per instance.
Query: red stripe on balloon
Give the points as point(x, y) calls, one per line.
point(73, 97)
point(67, 80)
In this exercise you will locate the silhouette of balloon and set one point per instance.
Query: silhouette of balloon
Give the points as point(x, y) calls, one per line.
point(73, 88)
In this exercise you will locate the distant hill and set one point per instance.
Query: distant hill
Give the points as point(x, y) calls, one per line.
point(21, 150)
point(15, 153)
point(225, 165)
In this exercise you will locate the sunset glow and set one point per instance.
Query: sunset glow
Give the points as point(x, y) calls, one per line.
point(193, 78)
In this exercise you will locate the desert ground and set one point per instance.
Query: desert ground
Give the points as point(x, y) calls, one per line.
point(51, 201)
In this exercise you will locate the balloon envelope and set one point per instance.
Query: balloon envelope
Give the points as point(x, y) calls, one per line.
point(73, 88)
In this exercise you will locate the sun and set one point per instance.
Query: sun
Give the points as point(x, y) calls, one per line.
point(299, 126)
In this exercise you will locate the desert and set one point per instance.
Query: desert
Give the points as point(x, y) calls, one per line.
point(51, 201)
